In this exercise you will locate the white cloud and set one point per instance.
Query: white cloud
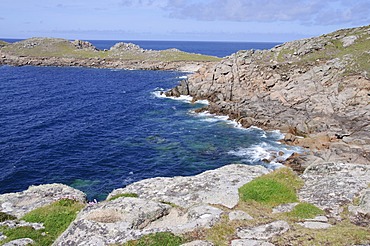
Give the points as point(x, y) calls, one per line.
point(307, 12)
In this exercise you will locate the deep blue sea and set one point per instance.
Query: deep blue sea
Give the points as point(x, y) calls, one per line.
point(100, 129)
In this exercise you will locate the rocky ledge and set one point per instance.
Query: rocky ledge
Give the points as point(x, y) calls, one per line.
point(317, 90)
point(188, 205)
point(78, 53)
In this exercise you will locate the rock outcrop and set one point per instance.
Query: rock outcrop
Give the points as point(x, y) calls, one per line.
point(218, 186)
point(317, 88)
point(20, 203)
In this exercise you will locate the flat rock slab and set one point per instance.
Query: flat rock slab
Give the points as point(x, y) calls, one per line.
point(218, 186)
point(20, 203)
point(264, 232)
point(315, 225)
point(20, 242)
point(249, 242)
point(125, 219)
point(284, 208)
point(198, 243)
point(332, 185)
point(239, 215)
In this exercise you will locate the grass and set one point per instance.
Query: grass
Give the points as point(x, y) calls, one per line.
point(123, 195)
point(343, 233)
point(56, 218)
point(305, 211)
point(272, 189)
point(157, 239)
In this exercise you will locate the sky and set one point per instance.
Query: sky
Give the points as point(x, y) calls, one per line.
point(187, 20)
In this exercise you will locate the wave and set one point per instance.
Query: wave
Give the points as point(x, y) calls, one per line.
point(272, 156)
point(160, 93)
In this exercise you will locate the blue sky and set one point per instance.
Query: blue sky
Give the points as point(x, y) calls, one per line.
point(207, 20)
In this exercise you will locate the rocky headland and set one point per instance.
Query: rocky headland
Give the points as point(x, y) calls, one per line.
point(64, 53)
point(316, 91)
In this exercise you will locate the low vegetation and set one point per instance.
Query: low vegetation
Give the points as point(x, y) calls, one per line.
point(122, 195)
point(157, 239)
point(55, 217)
point(273, 189)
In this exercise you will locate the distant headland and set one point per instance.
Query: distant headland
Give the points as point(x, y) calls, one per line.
point(78, 53)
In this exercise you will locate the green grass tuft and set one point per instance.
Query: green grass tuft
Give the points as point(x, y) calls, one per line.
point(56, 218)
point(272, 189)
point(157, 239)
point(305, 211)
point(123, 195)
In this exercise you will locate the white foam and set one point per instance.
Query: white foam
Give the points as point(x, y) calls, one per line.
point(265, 151)
point(183, 77)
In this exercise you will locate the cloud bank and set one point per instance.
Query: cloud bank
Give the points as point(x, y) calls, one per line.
point(308, 12)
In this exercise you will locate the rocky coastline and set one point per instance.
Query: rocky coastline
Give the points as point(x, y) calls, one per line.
point(316, 91)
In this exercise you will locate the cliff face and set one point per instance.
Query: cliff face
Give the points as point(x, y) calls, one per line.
point(317, 88)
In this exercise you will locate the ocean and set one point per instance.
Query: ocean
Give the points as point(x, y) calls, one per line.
point(100, 129)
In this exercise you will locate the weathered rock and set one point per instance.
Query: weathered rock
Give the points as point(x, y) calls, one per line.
point(249, 242)
point(218, 186)
point(332, 185)
point(198, 243)
point(2, 236)
point(179, 222)
point(20, 242)
point(315, 225)
point(15, 224)
point(360, 215)
point(239, 215)
point(112, 222)
point(283, 208)
point(20, 203)
point(131, 218)
point(264, 232)
point(319, 219)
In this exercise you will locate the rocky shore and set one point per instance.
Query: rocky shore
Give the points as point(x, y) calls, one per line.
point(193, 206)
point(316, 91)
point(64, 53)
